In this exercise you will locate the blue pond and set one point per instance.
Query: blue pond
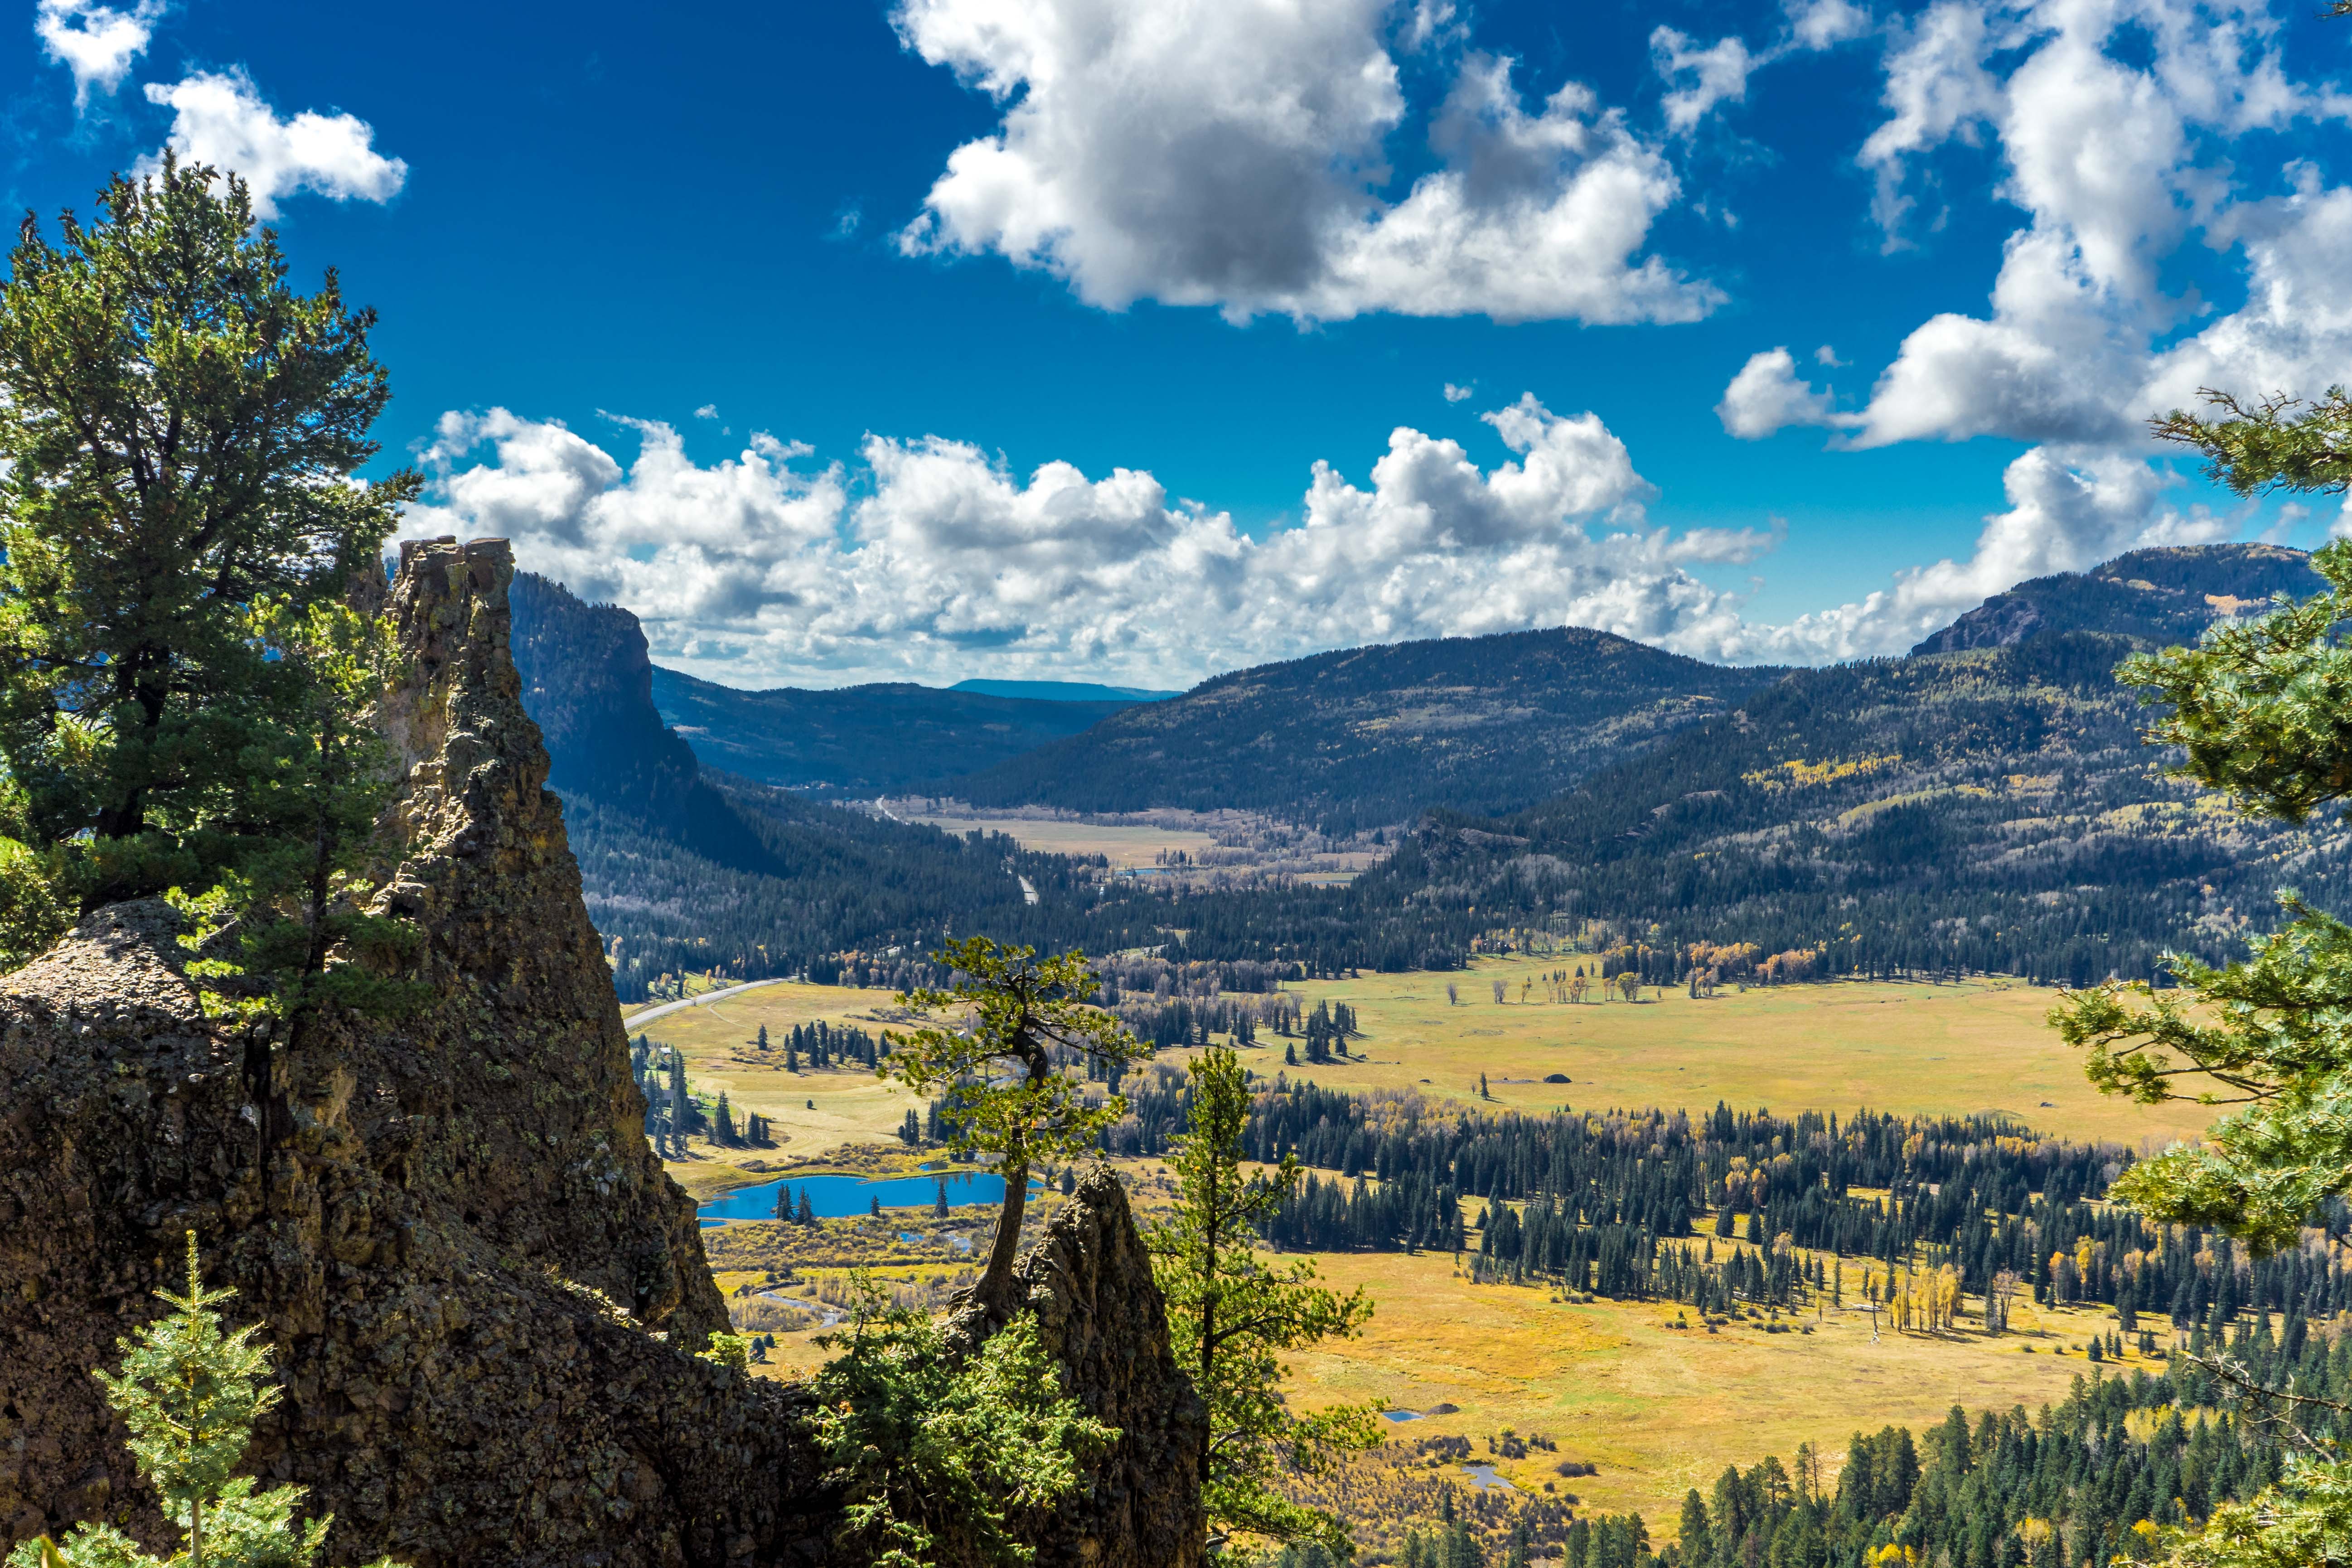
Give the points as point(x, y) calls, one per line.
point(835, 1197)
point(1401, 1414)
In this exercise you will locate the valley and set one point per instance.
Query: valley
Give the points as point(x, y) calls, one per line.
point(1641, 1390)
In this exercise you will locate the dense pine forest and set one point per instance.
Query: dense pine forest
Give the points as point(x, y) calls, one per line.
point(1733, 1209)
point(2069, 1488)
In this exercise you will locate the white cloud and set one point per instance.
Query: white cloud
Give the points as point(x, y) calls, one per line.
point(707, 411)
point(1459, 393)
point(1229, 152)
point(1826, 24)
point(96, 42)
point(2117, 129)
point(1938, 89)
point(1700, 77)
point(2118, 168)
point(1828, 357)
point(757, 570)
point(221, 118)
point(1766, 397)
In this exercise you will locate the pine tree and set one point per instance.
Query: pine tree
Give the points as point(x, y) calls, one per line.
point(1231, 1315)
point(998, 1072)
point(179, 428)
point(762, 1041)
point(190, 1395)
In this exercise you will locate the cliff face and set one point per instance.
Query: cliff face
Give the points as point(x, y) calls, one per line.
point(588, 684)
point(482, 1290)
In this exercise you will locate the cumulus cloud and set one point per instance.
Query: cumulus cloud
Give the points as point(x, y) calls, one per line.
point(2118, 167)
point(1232, 154)
point(2119, 131)
point(1826, 24)
point(1459, 393)
point(220, 117)
point(1767, 396)
point(927, 554)
point(96, 42)
point(1701, 78)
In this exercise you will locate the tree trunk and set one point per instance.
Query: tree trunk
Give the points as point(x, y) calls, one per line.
point(996, 1284)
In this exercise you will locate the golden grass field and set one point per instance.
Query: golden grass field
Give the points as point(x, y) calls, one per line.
point(1929, 1049)
point(1123, 846)
point(1659, 1410)
point(815, 1113)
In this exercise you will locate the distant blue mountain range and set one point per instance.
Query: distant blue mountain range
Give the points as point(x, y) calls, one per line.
point(1064, 691)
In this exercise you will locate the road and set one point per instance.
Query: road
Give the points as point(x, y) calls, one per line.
point(667, 1008)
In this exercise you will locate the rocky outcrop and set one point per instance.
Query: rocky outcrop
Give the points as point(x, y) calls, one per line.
point(482, 1290)
point(483, 1293)
point(1099, 1313)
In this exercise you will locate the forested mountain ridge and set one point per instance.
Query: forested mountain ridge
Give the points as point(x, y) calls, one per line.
point(1370, 736)
point(2163, 596)
point(1992, 808)
point(860, 741)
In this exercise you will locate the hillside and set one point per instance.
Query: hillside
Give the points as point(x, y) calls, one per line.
point(1371, 736)
point(1064, 690)
point(863, 741)
point(1989, 808)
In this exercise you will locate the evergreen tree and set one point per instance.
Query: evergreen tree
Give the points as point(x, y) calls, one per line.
point(2263, 711)
point(936, 1454)
point(190, 1395)
point(1230, 1317)
point(180, 428)
point(1007, 1096)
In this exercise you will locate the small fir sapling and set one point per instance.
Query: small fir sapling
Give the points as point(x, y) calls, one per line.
point(190, 1393)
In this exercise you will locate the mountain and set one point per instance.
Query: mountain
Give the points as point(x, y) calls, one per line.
point(1371, 736)
point(687, 867)
point(864, 741)
point(1064, 690)
point(2159, 596)
point(1988, 808)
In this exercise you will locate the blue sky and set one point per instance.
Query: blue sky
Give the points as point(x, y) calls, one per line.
point(1005, 337)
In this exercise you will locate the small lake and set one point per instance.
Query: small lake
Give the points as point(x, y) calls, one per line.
point(1401, 1414)
point(837, 1197)
point(1483, 1478)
